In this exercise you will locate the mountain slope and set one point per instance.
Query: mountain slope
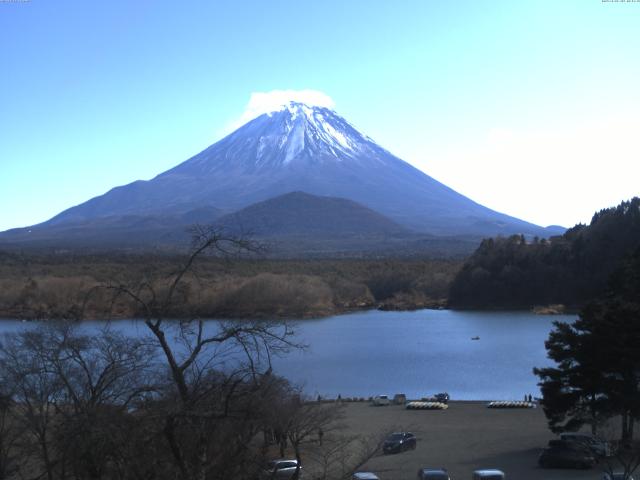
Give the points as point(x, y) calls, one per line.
point(300, 213)
point(112, 232)
point(308, 149)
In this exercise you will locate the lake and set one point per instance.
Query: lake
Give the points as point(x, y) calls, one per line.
point(417, 353)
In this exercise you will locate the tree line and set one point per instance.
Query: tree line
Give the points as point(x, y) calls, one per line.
point(54, 286)
point(571, 269)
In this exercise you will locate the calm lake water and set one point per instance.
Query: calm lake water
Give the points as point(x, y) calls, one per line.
point(417, 353)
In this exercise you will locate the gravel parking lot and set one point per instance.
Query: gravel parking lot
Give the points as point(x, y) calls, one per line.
point(463, 438)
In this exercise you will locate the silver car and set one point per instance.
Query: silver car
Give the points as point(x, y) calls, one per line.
point(488, 474)
point(281, 469)
point(364, 476)
point(433, 474)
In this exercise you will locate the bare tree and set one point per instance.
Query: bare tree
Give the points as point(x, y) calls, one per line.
point(72, 391)
point(342, 455)
point(215, 369)
point(624, 458)
point(102, 377)
point(625, 461)
point(187, 400)
point(36, 391)
point(10, 434)
point(309, 421)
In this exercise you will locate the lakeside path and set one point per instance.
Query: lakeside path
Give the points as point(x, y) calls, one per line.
point(465, 437)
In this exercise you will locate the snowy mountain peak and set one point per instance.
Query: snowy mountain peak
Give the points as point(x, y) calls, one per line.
point(295, 135)
point(318, 131)
point(297, 108)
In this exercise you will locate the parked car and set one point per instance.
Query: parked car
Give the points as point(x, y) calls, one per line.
point(617, 476)
point(488, 474)
point(566, 457)
point(600, 447)
point(442, 397)
point(399, 399)
point(364, 476)
point(381, 400)
point(280, 469)
point(569, 444)
point(438, 397)
point(399, 442)
point(433, 474)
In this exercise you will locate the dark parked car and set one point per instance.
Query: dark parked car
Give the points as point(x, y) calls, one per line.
point(571, 445)
point(433, 474)
point(566, 457)
point(399, 442)
point(442, 397)
point(280, 469)
point(597, 445)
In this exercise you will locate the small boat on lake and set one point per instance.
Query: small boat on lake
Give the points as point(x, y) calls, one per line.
point(475, 338)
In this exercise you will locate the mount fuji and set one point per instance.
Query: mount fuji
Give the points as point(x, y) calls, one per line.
point(298, 148)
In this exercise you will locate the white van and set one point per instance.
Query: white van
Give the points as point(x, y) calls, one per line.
point(489, 474)
point(381, 400)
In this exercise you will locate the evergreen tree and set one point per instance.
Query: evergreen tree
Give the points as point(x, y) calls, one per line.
point(598, 360)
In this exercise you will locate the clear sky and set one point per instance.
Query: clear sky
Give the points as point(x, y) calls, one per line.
point(530, 108)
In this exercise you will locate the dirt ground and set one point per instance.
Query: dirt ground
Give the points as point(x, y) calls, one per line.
point(466, 437)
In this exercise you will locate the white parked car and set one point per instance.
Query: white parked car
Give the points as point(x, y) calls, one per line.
point(364, 476)
point(488, 474)
point(381, 400)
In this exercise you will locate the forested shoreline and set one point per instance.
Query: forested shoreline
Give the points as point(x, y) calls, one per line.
point(58, 286)
point(572, 269)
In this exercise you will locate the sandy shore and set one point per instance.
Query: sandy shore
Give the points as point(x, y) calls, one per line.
point(462, 439)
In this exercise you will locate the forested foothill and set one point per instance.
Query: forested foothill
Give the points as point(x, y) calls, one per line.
point(571, 269)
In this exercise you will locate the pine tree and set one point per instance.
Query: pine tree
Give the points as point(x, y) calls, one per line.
point(598, 360)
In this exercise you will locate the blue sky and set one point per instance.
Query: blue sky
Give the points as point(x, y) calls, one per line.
point(531, 108)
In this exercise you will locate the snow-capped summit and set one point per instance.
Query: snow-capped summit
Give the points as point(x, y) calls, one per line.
point(301, 148)
point(312, 129)
point(296, 133)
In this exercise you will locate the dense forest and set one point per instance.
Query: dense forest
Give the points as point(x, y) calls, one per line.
point(571, 269)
